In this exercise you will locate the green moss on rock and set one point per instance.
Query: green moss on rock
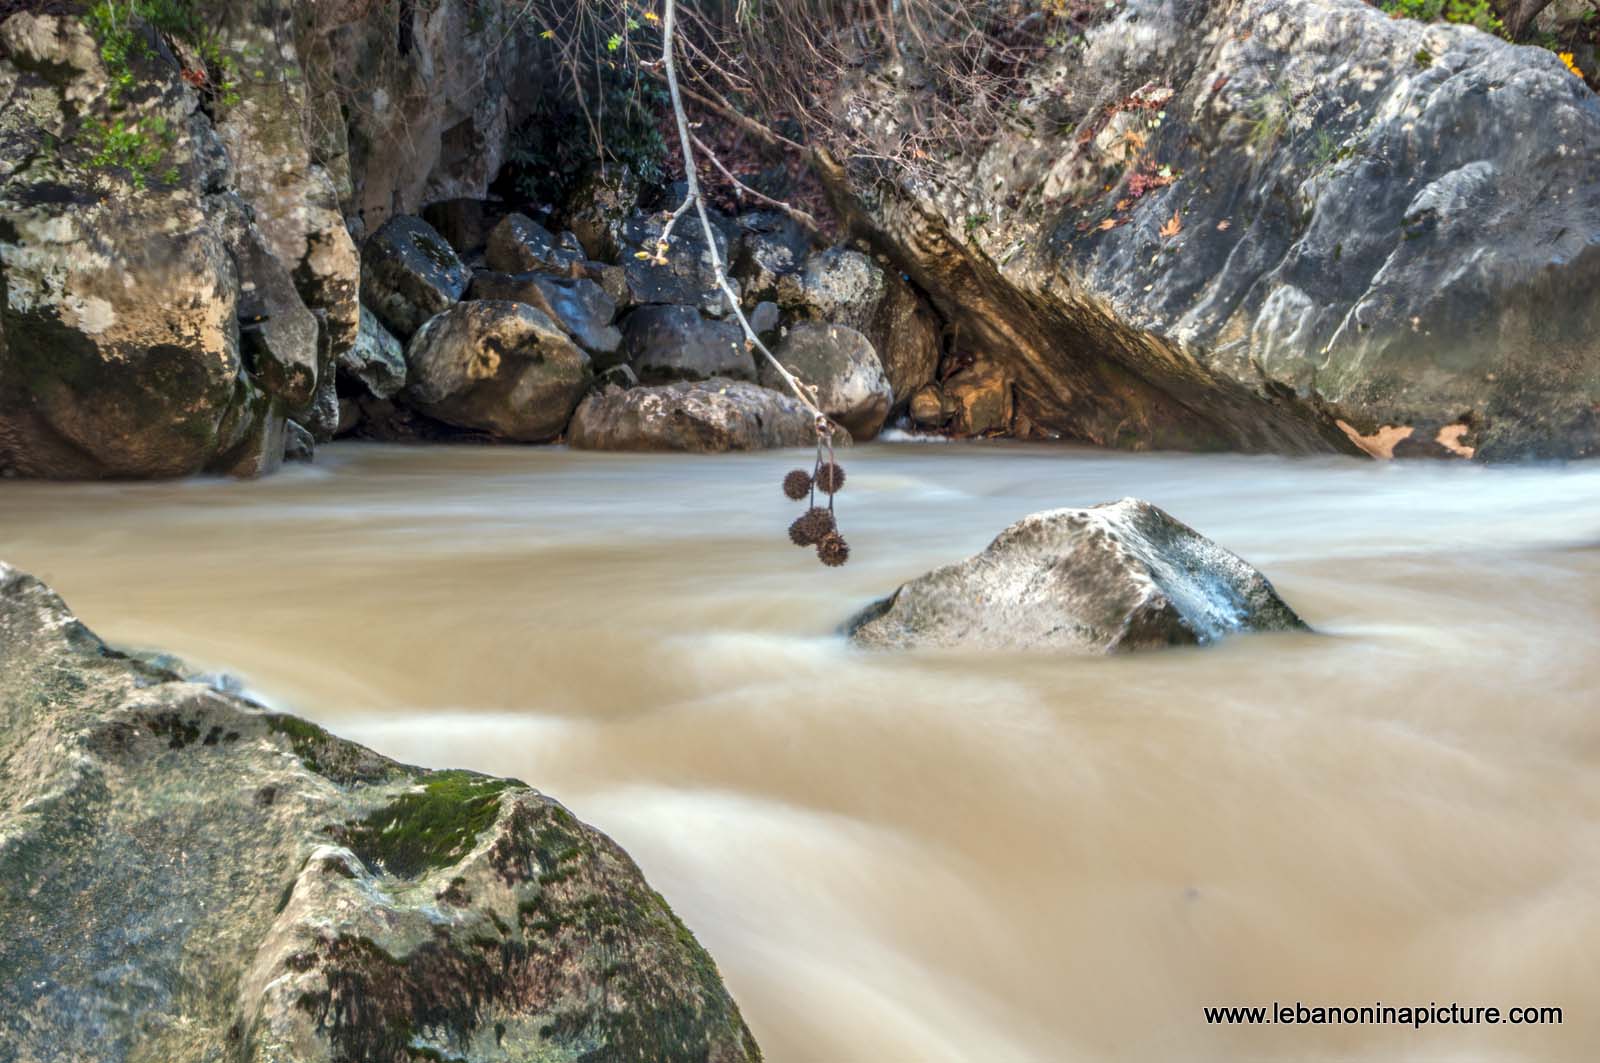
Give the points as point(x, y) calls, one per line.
point(428, 828)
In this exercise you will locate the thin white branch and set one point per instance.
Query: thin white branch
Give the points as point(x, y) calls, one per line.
point(686, 141)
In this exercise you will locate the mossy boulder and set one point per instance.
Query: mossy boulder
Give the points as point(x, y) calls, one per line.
point(186, 876)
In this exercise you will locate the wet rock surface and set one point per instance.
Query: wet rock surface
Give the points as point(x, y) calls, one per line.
point(668, 343)
point(1112, 578)
point(409, 274)
point(578, 305)
point(187, 876)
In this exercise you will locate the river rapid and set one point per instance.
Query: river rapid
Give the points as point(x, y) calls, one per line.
point(954, 856)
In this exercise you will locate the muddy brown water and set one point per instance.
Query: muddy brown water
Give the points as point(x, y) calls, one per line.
point(954, 856)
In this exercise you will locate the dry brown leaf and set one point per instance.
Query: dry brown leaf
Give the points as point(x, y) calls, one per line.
point(1172, 226)
point(1123, 204)
point(1108, 223)
point(1222, 226)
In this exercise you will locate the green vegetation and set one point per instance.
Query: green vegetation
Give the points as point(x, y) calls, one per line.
point(120, 26)
point(1476, 13)
point(137, 146)
point(428, 828)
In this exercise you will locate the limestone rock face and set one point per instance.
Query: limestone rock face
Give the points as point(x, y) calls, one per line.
point(577, 304)
point(497, 367)
point(1370, 220)
point(840, 363)
point(186, 876)
point(1115, 577)
point(667, 343)
point(704, 417)
point(409, 274)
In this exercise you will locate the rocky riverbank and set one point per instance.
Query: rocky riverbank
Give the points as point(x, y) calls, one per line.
point(187, 876)
point(222, 247)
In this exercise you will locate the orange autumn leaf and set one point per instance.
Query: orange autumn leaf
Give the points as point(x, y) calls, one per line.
point(1123, 204)
point(1108, 223)
point(1172, 226)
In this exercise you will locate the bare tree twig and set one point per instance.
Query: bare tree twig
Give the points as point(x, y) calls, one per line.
point(686, 140)
point(796, 213)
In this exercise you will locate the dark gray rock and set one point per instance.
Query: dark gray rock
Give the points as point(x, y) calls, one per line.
point(182, 870)
point(772, 246)
point(1115, 577)
point(705, 417)
point(519, 244)
point(578, 305)
point(668, 343)
point(298, 444)
point(409, 274)
point(377, 361)
point(687, 277)
point(840, 363)
point(278, 335)
point(765, 318)
point(498, 367)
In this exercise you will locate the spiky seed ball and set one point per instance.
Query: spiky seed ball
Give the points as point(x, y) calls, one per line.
point(812, 527)
point(797, 484)
point(833, 551)
point(830, 477)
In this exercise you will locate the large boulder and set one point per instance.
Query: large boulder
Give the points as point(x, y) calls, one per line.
point(577, 304)
point(518, 244)
point(840, 286)
point(705, 417)
point(667, 343)
point(1238, 223)
point(1118, 576)
point(498, 367)
point(119, 292)
point(409, 274)
point(186, 876)
point(841, 365)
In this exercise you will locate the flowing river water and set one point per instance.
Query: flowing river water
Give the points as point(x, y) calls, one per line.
point(954, 856)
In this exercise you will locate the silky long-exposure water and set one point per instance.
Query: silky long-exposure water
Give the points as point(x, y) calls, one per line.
point(954, 856)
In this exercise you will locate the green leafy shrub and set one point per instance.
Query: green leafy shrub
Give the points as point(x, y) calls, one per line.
point(1475, 13)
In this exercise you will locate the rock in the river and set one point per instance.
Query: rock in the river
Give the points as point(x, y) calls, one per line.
point(521, 245)
point(667, 343)
point(298, 444)
point(1118, 576)
point(185, 877)
point(499, 367)
point(578, 305)
point(377, 361)
point(840, 363)
point(706, 416)
point(409, 274)
point(979, 399)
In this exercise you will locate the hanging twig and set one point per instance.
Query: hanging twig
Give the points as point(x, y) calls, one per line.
point(697, 201)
